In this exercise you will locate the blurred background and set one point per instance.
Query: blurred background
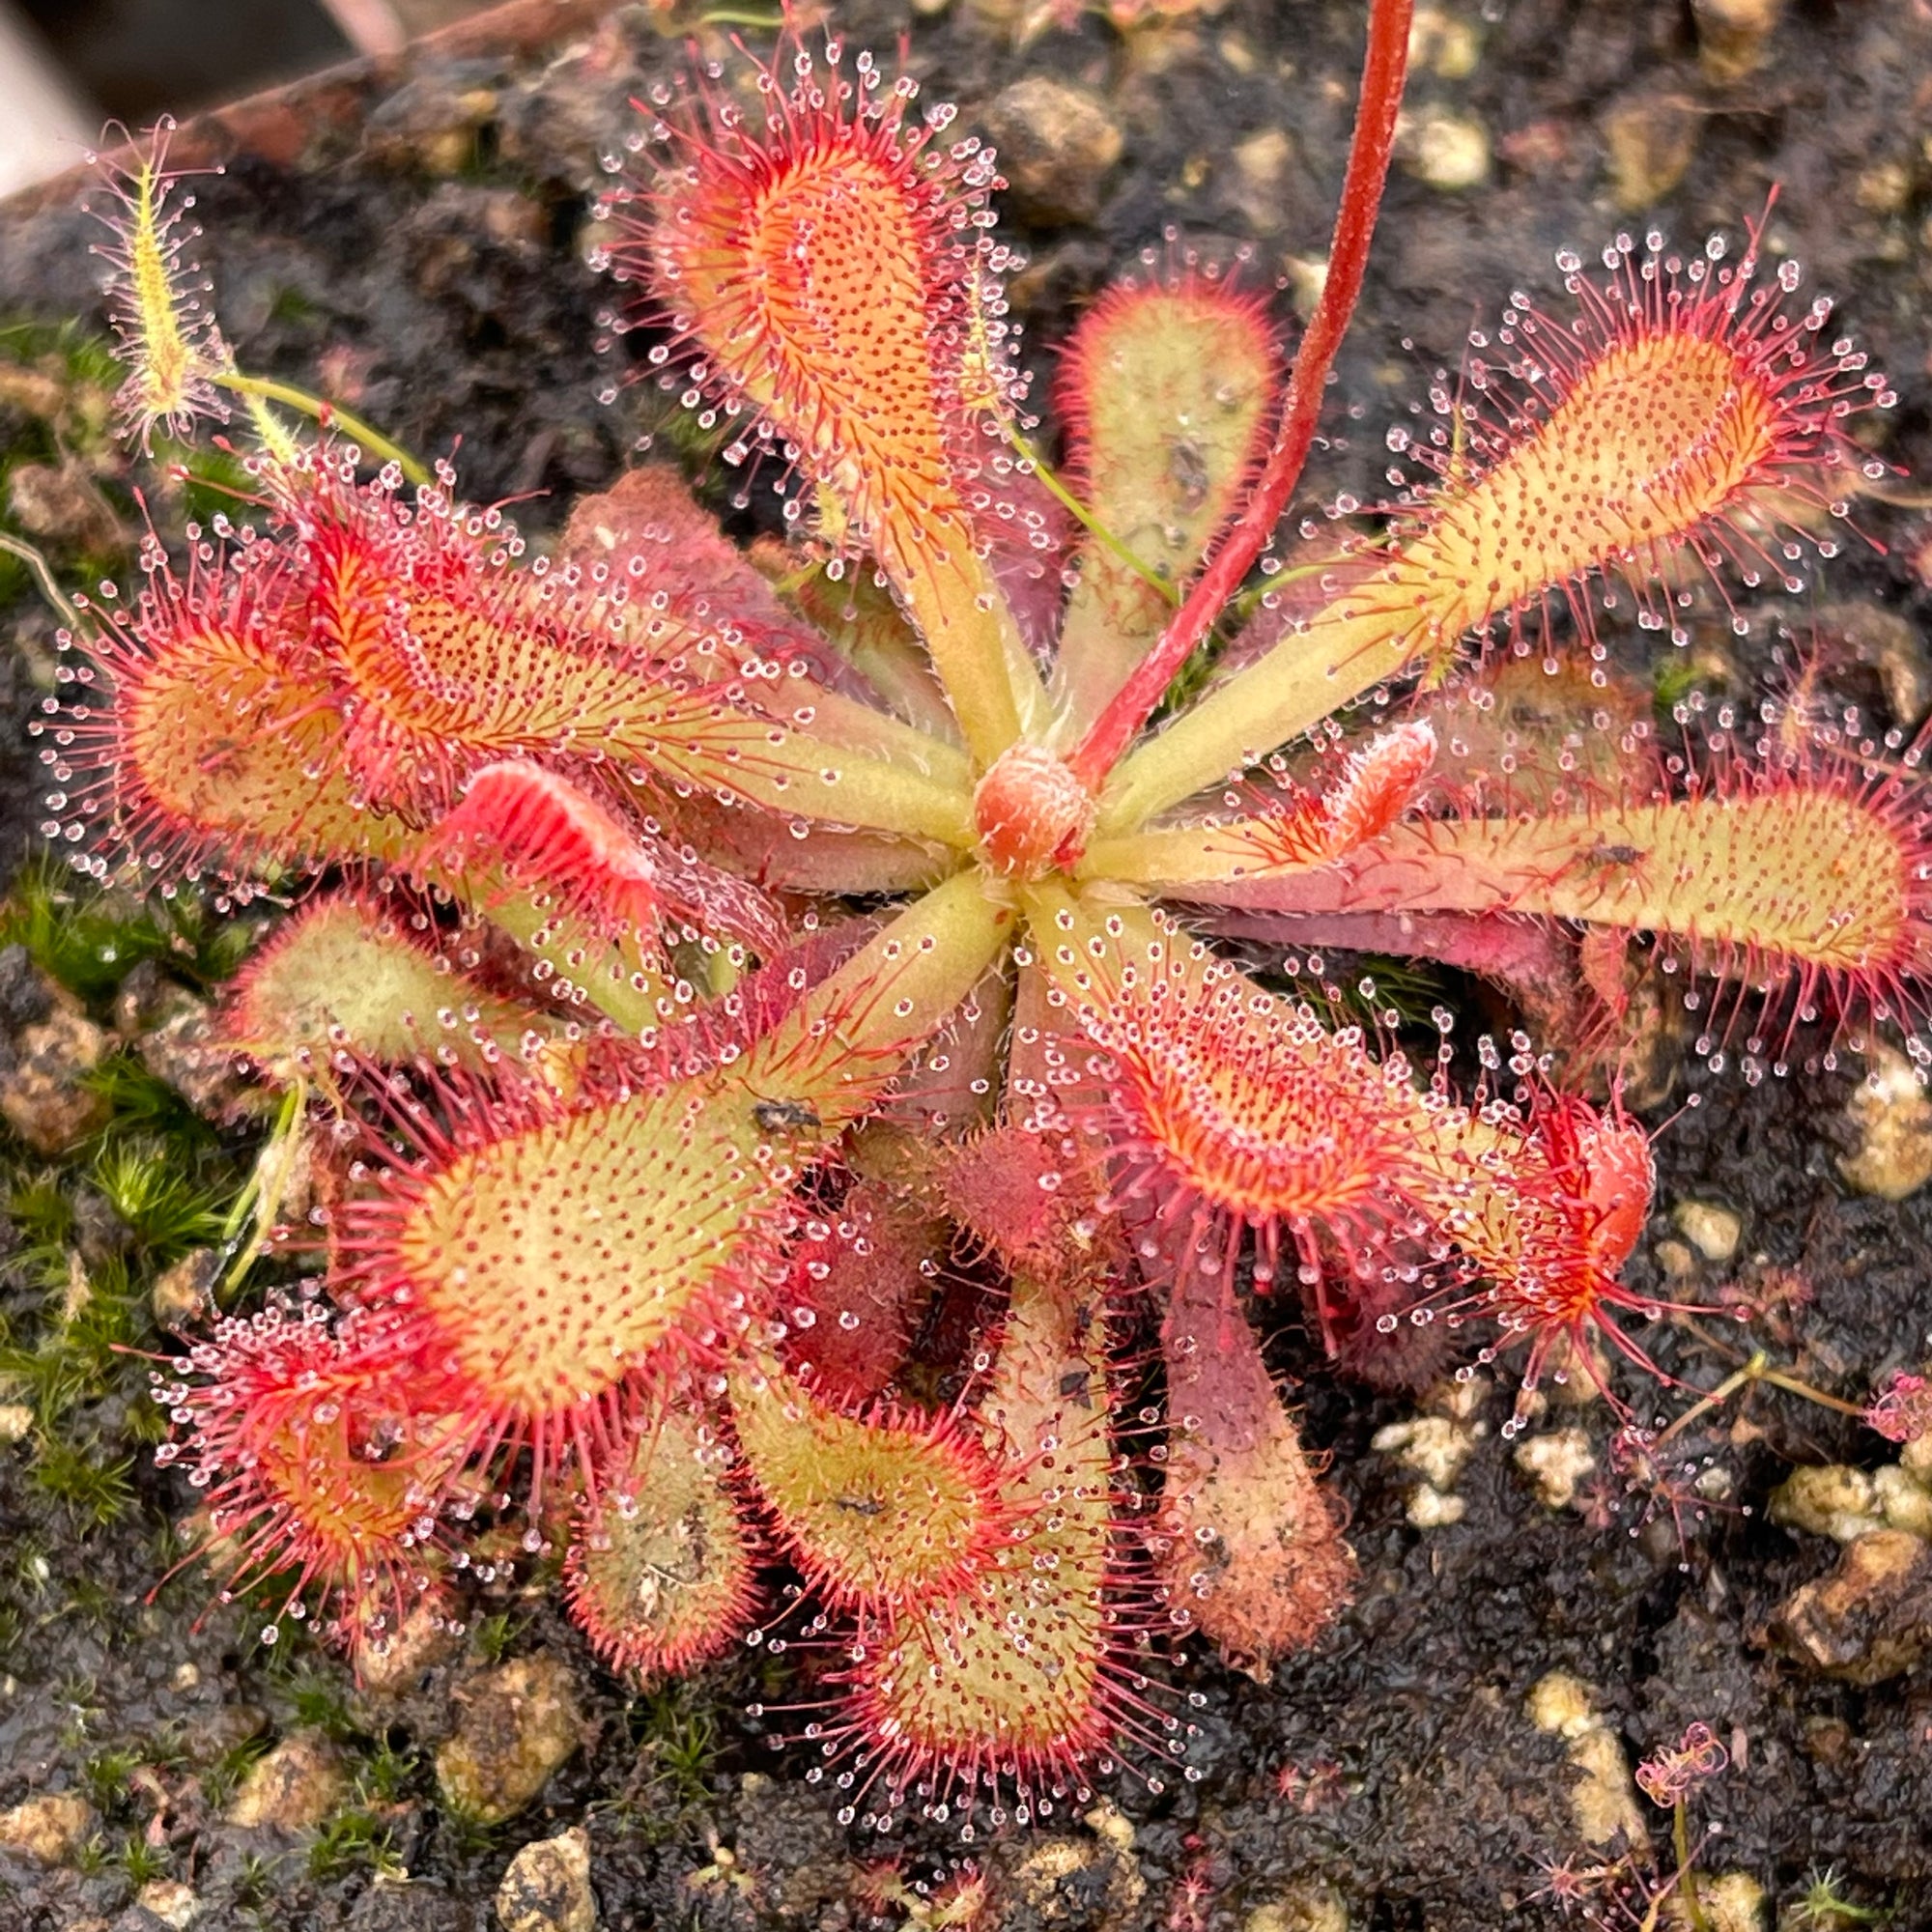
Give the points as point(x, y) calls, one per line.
point(67, 66)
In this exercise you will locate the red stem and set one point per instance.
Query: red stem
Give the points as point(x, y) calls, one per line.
point(1383, 72)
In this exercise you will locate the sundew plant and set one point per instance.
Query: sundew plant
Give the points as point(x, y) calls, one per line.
point(788, 1146)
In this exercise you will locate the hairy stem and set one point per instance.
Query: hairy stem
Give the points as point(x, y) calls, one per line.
point(331, 415)
point(43, 581)
point(616, 976)
point(1383, 72)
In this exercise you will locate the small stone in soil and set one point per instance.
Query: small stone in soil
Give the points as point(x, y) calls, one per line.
point(1056, 144)
point(49, 1829)
point(1711, 1229)
point(176, 1905)
point(1870, 1619)
point(519, 1724)
point(547, 1887)
point(41, 1095)
point(1652, 141)
point(1893, 1118)
point(294, 1788)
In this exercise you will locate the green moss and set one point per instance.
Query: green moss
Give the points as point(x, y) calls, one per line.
point(43, 1216)
point(140, 1862)
point(105, 1777)
point(382, 1776)
point(494, 1636)
point(91, 1231)
point(255, 1880)
point(142, 1102)
point(319, 1700)
point(354, 1840)
point(168, 1209)
point(89, 941)
point(74, 357)
point(77, 1698)
point(223, 1778)
point(57, 390)
point(292, 305)
point(86, 1478)
point(57, 386)
point(676, 1735)
point(94, 1858)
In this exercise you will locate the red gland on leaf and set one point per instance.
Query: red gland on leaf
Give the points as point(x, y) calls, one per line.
point(1378, 784)
point(1164, 391)
point(216, 751)
point(1254, 1547)
point(536, 825)
point(320, 1463)
point(1031, 1199)
point(541, 1259)
point(1008, 1692)
point(1227, 1107)
point(1569, 1199)
point(886, 1510)
point(661, 1573)
point(1666, 416)
point(348, 982)
point(823, 270)
point(857, 1278)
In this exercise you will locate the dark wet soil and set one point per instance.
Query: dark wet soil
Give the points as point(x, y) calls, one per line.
point(414, 245)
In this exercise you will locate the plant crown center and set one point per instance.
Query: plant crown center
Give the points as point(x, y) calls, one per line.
point(1034, 817)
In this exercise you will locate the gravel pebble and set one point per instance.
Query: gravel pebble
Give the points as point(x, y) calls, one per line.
point(183, 1295)
point(547, 1887)
point(39, 1093)
point(1870, 1619)
point(1652, 141)
point(1604, 1800)
point(1057, 144)
point(294, 1788)
point(520, 1722)
point(50, 1828)
point(1555, 1462)
point(1826, 1499)
point(1446, 150)
point(1713, 1231)
point(1734, 36)
point(175, 1904)
point(1892, 1116)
